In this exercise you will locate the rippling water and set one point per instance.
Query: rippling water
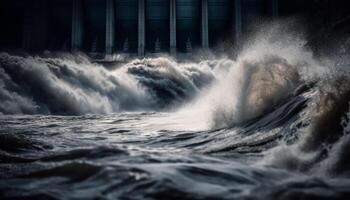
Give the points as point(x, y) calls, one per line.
point(120, 156)
point(271, 124)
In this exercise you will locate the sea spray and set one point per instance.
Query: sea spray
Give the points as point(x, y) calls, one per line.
point(271, 123)
point(66, 85)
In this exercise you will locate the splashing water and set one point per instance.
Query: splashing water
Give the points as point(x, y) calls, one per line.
point(66, 86)
point(272, 123)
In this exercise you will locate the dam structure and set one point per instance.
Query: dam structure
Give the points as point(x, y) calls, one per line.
point(101, 28)
point(135, 27)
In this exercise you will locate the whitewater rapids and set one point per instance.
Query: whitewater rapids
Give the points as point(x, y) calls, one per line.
point(272, 123)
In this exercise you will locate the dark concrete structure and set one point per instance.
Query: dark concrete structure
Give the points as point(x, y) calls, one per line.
point(140, 27)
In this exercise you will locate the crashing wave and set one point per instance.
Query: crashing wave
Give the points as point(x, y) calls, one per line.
point(66, 85)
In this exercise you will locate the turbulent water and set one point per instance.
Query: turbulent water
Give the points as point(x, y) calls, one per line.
point(272, 123)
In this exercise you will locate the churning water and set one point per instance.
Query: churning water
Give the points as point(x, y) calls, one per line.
point(271, 124)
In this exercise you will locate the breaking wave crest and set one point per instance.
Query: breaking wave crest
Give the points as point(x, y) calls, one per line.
point(75, 85)
point(274, 106)
point(273, 83)
point(321, 139)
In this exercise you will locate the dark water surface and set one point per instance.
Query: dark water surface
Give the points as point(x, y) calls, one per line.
point(120, 156)
point(271, 124)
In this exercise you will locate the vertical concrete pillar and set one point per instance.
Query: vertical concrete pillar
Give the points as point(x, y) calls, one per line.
point(205, 30)
point(77, 25)
point(110, 27)
point(141, 28)
point(173, 27)
point(274, 5)
point(238, 22)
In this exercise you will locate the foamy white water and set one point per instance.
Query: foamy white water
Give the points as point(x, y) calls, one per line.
point(271, 123)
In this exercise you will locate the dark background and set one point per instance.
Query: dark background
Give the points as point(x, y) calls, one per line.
point(37, 25)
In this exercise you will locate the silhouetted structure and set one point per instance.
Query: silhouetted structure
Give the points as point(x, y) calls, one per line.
point(112, 26)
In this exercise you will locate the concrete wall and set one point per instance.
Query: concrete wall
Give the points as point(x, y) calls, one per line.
point(47, 24)
point(126, 25)
point(94, 25)
point(157, 25)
